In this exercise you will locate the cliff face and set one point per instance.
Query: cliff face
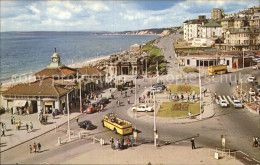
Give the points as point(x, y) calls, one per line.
point(160, 32)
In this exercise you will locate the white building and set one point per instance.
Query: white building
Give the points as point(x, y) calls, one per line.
point(192, 28)
point(202, 42)
point(211, 30)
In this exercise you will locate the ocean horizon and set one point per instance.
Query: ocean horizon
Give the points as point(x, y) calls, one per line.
point(28, 52)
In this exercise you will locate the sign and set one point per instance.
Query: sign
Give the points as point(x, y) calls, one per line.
point(135, 134)
point(223, 140)
point(156, 136)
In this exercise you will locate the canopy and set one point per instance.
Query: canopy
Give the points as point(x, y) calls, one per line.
point(20, 103)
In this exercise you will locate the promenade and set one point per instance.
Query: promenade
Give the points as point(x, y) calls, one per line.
point(162, 155)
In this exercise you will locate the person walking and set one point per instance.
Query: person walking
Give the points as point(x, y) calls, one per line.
point(3, 132)
point(256, 141)
point(30, 147)
point(112, 142)
point(192, 143)
point(128, 141)
point(122, 143)
point(39, 147)
point(53, 114)
point(77, 119)
point(131, 142)
point(230, 83)
point(253, 141)
point(128, 101)
point(12, 120)
point(31, 126)
point(34, 147)
point(27, 127)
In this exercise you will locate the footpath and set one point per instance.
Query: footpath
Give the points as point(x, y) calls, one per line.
point(15, 137)
point(148, 154)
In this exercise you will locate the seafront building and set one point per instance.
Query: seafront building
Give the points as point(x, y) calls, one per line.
point(55, 87)
point(126, 63)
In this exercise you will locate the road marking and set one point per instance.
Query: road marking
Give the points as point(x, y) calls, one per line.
point(247, 159)
point(256, 160)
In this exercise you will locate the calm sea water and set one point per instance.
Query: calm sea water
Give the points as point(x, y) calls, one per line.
point(27, 52)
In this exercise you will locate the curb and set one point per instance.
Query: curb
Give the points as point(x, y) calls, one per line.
point(36, 136)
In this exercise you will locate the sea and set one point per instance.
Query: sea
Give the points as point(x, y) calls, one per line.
point(24, 53)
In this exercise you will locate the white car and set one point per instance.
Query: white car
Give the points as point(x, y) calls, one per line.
point(142, 108)
point(250, 79)
point(251, 92)
point(223, 103)
point(255, 67)
point(156, 90)
point(237, 104)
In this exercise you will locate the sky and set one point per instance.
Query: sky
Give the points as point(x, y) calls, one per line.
point(80, 15)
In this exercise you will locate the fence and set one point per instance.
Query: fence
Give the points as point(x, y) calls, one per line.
point(225, 153)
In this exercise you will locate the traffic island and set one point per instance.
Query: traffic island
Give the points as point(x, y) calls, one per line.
point(177, 109)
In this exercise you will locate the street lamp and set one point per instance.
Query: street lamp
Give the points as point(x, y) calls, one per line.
point(135, 98)
point(200, 89)
point(154, 121)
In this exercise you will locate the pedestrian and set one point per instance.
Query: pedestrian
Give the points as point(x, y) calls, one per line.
point(192, 143)
point(128, 101)
point(112, 142)
point(39, 147)
point(34, 147)
point(131, 142)
point(237, 81)
point(230, 83)
point(128, 141)
point(27, 127)
point(53, 114)
point(110, 90)
point(256, 141)
point(253, 141)
point(118, 144)
point(31, 126)
point(77, 119)
point(16, 126)
point(30, 146)
point(122, 143)
point(12, 120)
point(3, 131)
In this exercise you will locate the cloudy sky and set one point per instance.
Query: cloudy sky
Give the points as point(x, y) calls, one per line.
point(107, 15)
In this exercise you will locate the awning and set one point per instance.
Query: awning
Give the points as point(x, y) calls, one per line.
point(20, 103)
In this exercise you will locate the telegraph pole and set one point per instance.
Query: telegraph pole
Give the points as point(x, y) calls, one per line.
point(135, 98)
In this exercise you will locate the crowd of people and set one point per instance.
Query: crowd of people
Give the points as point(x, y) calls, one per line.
point(122, 143)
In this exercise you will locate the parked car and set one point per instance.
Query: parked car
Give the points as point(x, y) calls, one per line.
point(255, 67)
point(104, 101)
point(87, 124)
point(250, 79)
point(223, 103)
point(91, 109)
point(142, 108)
point(258, 88)
point(237, 104)
point(251, 92)
point(139, 76)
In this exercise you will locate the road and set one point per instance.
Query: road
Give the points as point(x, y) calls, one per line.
point(237, 125)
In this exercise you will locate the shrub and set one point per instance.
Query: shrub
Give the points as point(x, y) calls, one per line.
point(189, 69)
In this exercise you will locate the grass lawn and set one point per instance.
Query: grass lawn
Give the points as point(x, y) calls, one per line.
point(181, 88)
point(177, 109)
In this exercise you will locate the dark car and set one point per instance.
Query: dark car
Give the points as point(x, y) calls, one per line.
point(139, 76)
point(104, 101)
point(159, 85)
point(87, 124)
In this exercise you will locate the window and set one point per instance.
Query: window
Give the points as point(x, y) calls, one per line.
point(227, 62)
point(188, 62)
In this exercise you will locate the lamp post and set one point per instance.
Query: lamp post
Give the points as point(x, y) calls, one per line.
point(200, 89)
point(154, 121)
point(243, 58)
point(68, 109)
point(135, 98)
point(241, 93)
